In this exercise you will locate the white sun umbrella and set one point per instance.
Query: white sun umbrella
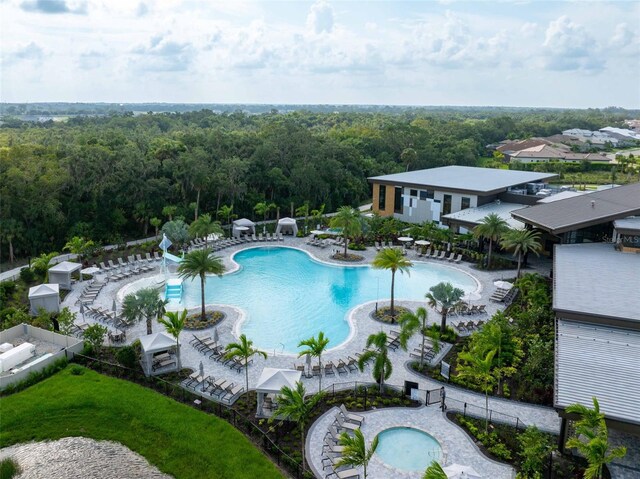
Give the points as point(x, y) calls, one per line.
point(215, 335)
point(472, 296)
point(458, 471)
point(502, 284)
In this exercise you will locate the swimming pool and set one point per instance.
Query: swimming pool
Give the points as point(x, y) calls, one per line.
point(287, 296)
point(407, 448)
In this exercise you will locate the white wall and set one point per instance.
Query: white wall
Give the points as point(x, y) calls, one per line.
point(430, 209)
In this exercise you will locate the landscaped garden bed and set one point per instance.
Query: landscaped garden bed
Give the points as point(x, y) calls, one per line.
point(384, 315)
point(194, 321)
point(349, 258)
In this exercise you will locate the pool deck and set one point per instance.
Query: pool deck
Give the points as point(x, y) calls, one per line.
point(430, 418)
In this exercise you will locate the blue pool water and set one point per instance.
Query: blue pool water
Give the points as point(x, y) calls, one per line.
point(408, 448)
point(288, 296)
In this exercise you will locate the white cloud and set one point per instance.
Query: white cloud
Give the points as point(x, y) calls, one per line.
point(55, 6)
point(163, 53)
point(320, 18)
point(31, 52)
point(626, 41)
point(568, 46)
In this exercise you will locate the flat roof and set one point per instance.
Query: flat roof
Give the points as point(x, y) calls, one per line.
point(583, 211)
point(629, 225)
point(596, 280)
point(602, 362)
point(472, 216)
point(463, 178)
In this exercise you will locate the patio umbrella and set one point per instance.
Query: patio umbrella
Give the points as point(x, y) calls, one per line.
point(473, 296)
point(113, 307)
point(458, 471)
point(308, 360)
point(201, 369)
point(215, 335)
point(502, 284)
point(82, 310)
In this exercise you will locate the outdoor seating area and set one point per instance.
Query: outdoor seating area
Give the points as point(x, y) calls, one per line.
point(344, 422)
point(468, 327)
point(506, 296)
point(126, 269)
point(219, 389)
point(223, 243)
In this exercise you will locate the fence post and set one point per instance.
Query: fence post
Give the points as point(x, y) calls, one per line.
point(517, 423)
point(464, 414)
point(490, 415)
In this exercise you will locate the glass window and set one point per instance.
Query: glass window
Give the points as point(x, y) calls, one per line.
point(413, 193)
point(423, 195)
point(466, 203)
point(430, 194)
point(397, 200)
point(382, 197)
point(446, 205)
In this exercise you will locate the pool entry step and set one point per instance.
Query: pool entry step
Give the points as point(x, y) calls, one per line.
point(173, 290)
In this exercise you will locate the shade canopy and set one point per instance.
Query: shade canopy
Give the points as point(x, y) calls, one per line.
point(61, 273)
point(243, 225)
point(458, 471)
point(272, 380)
point(423, 243)
point(287, 225)
point(472, 296)
point(45, 296)
point(503, 284)
point(156, 342)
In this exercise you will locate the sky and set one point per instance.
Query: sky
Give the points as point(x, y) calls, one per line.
point(502, 53)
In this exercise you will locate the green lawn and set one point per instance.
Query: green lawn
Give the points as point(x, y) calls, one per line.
point(178, 439)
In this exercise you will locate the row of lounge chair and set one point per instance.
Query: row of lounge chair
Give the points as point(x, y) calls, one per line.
point(468, 327)
point(133, 266)
point(344, 422)
point(442, 255)
point(221, 389)
point(91, 292)
point(464, 309)
point(506, 296)
point(207, 345)
point(318, 242)
point(217, 245)
point(329, 368)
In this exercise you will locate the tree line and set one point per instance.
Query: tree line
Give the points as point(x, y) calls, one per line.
point(116, 177)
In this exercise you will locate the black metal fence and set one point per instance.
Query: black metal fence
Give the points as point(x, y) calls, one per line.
point(478, 412)
point(241, 422)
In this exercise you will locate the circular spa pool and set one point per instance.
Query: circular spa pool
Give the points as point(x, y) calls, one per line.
point(288, 296)
point(407, 448)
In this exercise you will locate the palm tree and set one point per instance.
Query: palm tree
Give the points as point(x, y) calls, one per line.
point(382, 367)
point(244, 350)
point(204, 226)
point(478, 370)
point(200, 263)
point(445, 296)
point(434, 471)
point(169, 211)
point(412, 323)
point(355, 451)
point(393, 259)
point(10, 229)
point(295, 406)
point(145, 303)
point(43, 262)
point(156, 223)
point(348, 219)
point(491, 227)
point(263, 208)
point(315, 348)
point(226, 212)
point(521, 242)
point(174, 323)
point(78, 246)
point(595, 448)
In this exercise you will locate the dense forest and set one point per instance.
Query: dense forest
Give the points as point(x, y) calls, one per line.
point(107, 177)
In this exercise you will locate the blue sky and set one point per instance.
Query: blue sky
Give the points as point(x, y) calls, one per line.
point(526, 53)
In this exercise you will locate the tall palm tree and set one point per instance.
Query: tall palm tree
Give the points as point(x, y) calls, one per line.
point(355, 451)
point(10, 230)
point(491, 227)
point(382, 367)
point(434, 471)
point(174, 323)
point(78, 246)
point(145, 303)
point(204, 226)
point(294, 405)
point(445, 296)
point(200, 263)
point(263, 208)
point(478, 370)
point(393, 259)
point(243, 350)
point(592, 439)
point(412, 323)
point(348, 219)
point(43, 262)
point(521, 242)
point(315, 348)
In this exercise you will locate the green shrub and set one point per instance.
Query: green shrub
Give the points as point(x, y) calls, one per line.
point(35, 377)
point(6, 289)
point(500, 451)
point(506, 392)
point(534, 450)
point(27, 275)
point(76, 370)
point(127, 357)
point(9, 468)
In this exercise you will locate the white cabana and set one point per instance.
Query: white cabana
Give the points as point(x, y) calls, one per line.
point(287, 226)
point(46, 296)
point(271, 381)
point(156, 356)
point(240, 225)
point(61, 273)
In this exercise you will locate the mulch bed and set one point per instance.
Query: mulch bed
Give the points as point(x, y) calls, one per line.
point(384, 314)
point(212, 318)
point(349, 258)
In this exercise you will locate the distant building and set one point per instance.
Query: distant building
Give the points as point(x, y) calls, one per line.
point(428, 195)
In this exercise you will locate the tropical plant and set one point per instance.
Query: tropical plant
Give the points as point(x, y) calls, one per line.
point(444, 296)
point(349, 220)
point(95, 335)
point(534, 451)
point(200, 263)
point(244, 350)
point(204, 226)
point(156, 223)
point(66, 320)
point(382, 367)
point(177, 231)
point(296, 406)
point(174, 324)
point(521, 242)
point(304, 211)
point(491, 227)
point(78, 246)
point(355, 452)
point(263, 208)
point(315, 348)
point(42, 264)
point(227, 213)
point(434, 471)
point(592, 439)
point(169, 211)
point(479, 370)
point(394, 260)
point(144, 304)
point(10, 229)
point(412, 323)
point(318, 215)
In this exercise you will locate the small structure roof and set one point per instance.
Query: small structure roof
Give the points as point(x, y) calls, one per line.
point(244, 222)
point(44, 290)
point(471, 217)
point(577, 268)
point(272, 380)
point(563, 195)
point(583, 211)
point(65, 267)
point(286, 221)
point(539, 151)
point(152, 343)
point(627, 225)
point(463, 178)
point(598, 361)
